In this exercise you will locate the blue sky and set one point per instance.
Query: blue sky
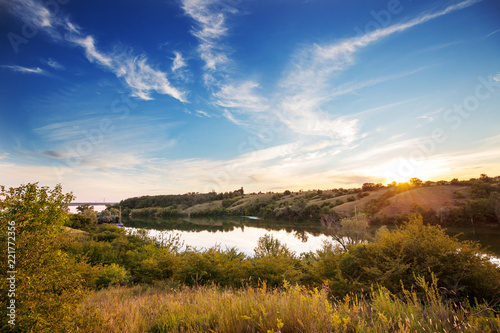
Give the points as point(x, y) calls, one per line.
point(122, 98)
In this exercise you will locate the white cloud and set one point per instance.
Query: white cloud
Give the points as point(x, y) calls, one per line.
point(28, 70)
point(143, 79)
point(306, 85)
point(54, 64)
point(34, 14)
point(179, 62)
point(203, 114)
point(241, 97)
point(305, 88)
point(90, 51)
point(497, 78)
point(210, 18)
point(140, 77)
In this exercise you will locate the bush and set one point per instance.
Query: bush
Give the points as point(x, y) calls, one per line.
point(111, 275)
point(415, 249)
point(80, 221)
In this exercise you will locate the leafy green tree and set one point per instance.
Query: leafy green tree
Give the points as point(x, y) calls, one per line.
point(49, 282)
point(268, 246)
point(79, 221)
point(88, 211)
point(347, 231)
point(82, 208)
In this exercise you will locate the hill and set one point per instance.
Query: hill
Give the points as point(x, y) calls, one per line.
point(454, 202)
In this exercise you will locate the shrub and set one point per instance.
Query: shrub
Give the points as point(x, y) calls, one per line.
point(111, 275)
point(396, 257)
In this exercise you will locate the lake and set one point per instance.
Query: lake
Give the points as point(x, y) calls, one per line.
point(243, 233)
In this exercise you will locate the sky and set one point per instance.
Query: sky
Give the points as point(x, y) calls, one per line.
point(114, 99)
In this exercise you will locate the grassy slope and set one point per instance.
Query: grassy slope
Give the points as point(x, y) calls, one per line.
point(434, 197)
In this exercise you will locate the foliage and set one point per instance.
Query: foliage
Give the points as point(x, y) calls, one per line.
point(49, 282)
point(80, 221)
point(188, 199)
point(347, 231)
point(268, 246)
point(416, 249)
point(416, 182)
point(110, 275)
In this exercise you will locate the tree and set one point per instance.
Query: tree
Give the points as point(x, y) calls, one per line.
point(268, 246)
point(49, 282)
point(298, 205)
point(347, 231)
point(79, 221)
point(495, 202)
point(88, 211)
point(415, 182)
point(484, 178)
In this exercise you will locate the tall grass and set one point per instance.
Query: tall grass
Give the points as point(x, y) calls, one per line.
point(289, 309)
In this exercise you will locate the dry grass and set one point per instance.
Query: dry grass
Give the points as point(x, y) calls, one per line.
point(348, 207)
point(434, 197)
point(292, 309)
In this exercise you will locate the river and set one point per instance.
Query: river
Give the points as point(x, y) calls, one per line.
point(243, 233)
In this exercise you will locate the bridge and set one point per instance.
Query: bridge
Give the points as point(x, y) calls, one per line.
point(93, 203)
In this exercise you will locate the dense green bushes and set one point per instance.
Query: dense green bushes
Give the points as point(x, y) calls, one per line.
point(396, 257)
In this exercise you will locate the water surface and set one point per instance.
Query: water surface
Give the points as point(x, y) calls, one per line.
point(243, 233)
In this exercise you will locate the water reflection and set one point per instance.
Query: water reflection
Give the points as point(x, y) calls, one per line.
point(234, 232)
point(299, 230)
point(243, 233)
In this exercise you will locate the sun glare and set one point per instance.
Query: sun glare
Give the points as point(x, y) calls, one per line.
point(401, 171)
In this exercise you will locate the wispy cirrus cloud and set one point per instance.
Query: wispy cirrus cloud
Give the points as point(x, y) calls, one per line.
point(299, 100)
point(139, 76)
point(210, 26)
point(203, 114)
point(27, 70)
point(307, 85)
point(54, 64)
point(178, 62)
point(241, 97)
point(35, 15)
point(314, 65)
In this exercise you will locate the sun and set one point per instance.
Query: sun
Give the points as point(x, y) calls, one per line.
point(401, 171)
